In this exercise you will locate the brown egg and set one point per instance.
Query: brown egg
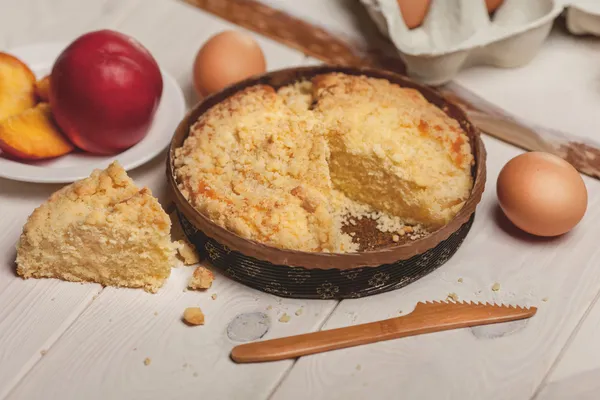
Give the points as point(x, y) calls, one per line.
point(224, 59)
point(492, 5)
point(542, 194)
point(413, 11)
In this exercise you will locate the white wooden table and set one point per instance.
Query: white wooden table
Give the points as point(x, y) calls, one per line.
point(61, 340)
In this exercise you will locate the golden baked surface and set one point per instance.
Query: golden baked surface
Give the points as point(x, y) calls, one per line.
point(288, 168)
point(392, 149)
point(100, 229)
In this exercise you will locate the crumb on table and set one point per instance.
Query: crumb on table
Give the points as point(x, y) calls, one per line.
point(299, 311)
point(147, 361)
point(201, 279)
point(187, 252)
point(460, 280)
point(285, 318)
point(193, 316)
point(452, 296)
point(213, 296)
point(496, 287)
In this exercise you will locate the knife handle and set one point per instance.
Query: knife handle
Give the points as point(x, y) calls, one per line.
point(426, 318)
point(316, 342)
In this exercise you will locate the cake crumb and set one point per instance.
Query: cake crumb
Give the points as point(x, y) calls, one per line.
point(213, 296)
point(396, 238)
point(496, 287)
point(155, 313)
point(269, 307)
point(193, 316)
point(147, 361)
point(460, 280)
point(187, 252)
point(452, 296)
point(545, 299)
point(43, 352)
point(358, 367)
point(285, 318)
point(201, 279)
point(299, 312)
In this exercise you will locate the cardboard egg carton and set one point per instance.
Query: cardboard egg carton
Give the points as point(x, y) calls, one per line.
point(459, 33)
point(583, 17)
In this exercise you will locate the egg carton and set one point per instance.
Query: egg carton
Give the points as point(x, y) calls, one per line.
point(583, 17)
point(456, 34)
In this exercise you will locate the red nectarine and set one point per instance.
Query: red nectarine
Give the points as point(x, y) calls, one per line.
point(105, 90)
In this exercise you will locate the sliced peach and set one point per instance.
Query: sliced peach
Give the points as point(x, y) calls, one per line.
point(42, 89)
point(17, 86)
point(33, 135)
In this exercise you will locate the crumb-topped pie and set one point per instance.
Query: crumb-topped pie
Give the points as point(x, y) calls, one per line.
point(291, 167)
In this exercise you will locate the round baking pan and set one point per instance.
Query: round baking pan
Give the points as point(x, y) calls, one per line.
point(382, 266)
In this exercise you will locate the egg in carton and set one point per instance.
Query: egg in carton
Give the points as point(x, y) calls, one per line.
point(455, 34)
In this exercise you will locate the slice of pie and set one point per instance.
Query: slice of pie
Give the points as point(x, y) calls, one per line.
point(100, 229)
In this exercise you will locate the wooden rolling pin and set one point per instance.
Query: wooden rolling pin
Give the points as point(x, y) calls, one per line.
point(426, 318)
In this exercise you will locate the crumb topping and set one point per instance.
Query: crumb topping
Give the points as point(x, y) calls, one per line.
point(292, 167)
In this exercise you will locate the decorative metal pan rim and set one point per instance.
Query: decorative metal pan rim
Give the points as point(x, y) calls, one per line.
point(299, 282)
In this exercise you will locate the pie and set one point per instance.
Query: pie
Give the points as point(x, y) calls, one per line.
point(100, 229)
point(290, 167)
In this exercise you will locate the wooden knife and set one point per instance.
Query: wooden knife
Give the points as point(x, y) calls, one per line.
point(427, 317)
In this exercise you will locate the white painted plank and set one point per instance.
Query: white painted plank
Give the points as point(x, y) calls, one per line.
point(25, 22)
point(34, 313)
point(584, 386)
point(97, 350)
point(583, 353)
point(102, 354)
point(496, 362)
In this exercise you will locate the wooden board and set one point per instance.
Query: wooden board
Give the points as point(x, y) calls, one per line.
point(89, 340)
point(94, 350)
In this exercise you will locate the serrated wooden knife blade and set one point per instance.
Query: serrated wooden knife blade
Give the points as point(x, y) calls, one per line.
point(427, 317)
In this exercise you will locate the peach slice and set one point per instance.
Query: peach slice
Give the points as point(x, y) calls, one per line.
point(33, 135)
point(17, 86)
point(42, 89)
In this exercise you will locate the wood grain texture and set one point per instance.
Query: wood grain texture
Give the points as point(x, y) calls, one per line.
point(34, 313)
point(95, 357)
point(96, 353)
point(505, 361)
point(103, 352)
point(582, 354)
point(584, 386)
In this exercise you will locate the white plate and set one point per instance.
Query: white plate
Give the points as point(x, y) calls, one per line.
point(78, 165)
